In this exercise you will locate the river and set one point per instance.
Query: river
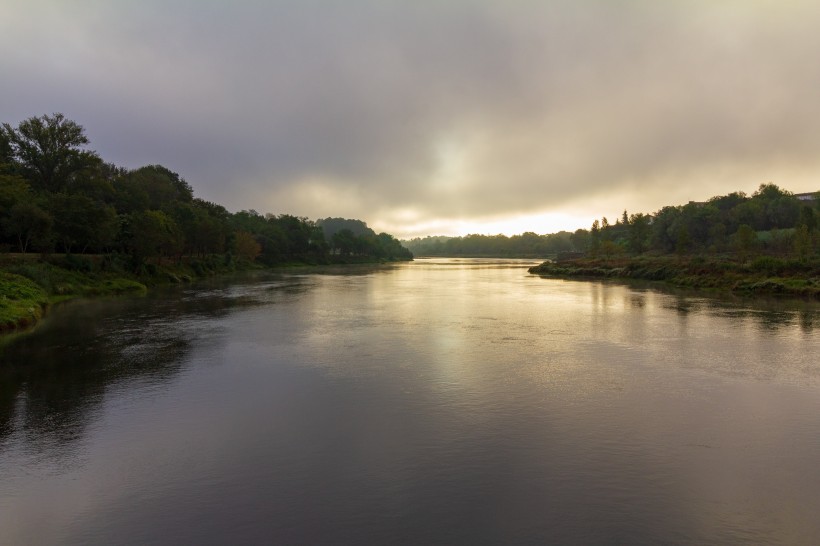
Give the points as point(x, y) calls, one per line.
point(434, 402)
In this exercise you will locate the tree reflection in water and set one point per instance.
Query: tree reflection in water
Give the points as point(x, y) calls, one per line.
point(54, 379)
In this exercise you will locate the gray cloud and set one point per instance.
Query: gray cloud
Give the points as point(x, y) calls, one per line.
point(403, 112)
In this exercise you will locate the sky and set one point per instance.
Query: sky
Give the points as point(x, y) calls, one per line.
point(432, 117)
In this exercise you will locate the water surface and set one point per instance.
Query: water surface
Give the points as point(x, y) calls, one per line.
point(436, 402)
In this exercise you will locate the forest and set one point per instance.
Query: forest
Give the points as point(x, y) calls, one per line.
point(771, 221)
point(526, 245)
point(763, 244)
point(57, 196)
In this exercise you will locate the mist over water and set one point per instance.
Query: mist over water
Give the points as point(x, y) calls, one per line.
point(434, 402)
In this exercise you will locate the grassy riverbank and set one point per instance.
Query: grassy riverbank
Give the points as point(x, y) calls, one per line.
point(30, 284)
point(22, 302)
point(763, 275)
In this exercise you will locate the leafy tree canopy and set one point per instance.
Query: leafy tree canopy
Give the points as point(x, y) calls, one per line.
point(48, 150)
point(331, 226)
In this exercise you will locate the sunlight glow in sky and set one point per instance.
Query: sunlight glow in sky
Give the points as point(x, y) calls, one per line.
point(428, 118)
point(538, 223)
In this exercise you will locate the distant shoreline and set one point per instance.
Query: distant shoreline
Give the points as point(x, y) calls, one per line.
point(761, 276)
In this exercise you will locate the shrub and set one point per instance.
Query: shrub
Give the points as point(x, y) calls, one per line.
point(768, 265)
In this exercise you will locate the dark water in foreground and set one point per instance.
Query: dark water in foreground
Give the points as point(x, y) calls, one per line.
point(438, 402)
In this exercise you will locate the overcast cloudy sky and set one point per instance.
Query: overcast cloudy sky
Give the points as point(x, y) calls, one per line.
point(432, 117)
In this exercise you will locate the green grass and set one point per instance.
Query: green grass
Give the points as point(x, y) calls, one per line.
point(22, 302)
point(30, 283)
point(762, 275)
point(29, 287)
point(56, 278)
point(62, 283)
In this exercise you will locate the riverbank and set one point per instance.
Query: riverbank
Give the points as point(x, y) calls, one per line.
point(764, 275)
point(30, 284)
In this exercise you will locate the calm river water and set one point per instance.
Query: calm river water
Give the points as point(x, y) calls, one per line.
point(435, 402)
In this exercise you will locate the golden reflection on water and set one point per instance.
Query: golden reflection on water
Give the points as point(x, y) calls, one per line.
point(436, 401)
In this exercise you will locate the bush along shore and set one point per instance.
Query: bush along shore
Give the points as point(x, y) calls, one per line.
point(764, 275)
point(31, 284)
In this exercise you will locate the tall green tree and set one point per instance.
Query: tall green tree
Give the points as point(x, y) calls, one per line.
point(152, 233)
point(6, 153)
point(638, 232)
point(595, 238)
point(683, 240)
point(245, 246)
point(28, 224)
point(343, 242)
point(81, 223)
point(13, 189)
point(152, 187)
point(579, 240)
point(745, 240)
point(48, 151)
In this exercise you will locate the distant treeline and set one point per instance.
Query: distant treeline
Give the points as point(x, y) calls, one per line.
point(57, 196)
point(352, 238)
point(526, 245)
point(772, 221)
